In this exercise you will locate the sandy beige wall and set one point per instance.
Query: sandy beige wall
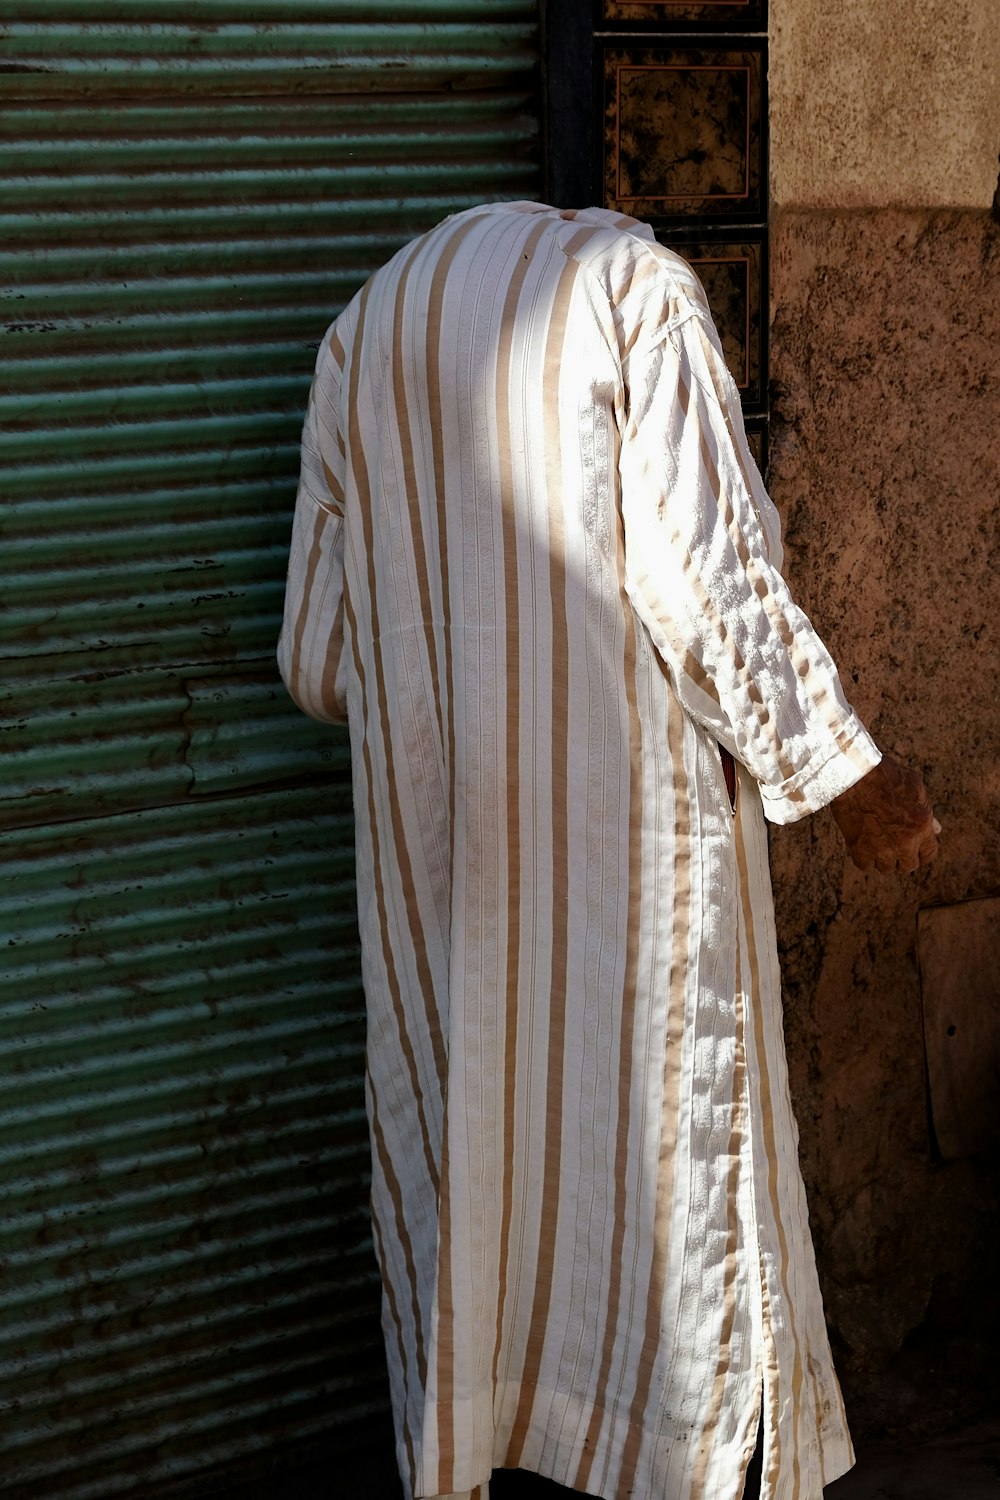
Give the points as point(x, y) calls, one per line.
point(878, 102)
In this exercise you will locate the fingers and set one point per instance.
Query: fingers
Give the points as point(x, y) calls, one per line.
point(927, 845)
point(887, 821)
point(893, 851)
point(930, 847)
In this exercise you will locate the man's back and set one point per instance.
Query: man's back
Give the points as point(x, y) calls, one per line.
point(535, 568)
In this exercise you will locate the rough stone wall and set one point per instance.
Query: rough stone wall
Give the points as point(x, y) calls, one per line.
point(885, 465)
point(886, 468)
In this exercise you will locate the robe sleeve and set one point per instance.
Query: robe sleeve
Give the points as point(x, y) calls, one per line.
point(702, 547)
point(311, 656)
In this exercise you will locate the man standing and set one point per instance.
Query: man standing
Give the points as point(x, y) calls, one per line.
point(534, 567)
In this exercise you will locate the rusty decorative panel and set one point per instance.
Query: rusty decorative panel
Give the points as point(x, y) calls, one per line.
point(732, 273)
point(671, 15)
point(683, 132)
point(959, 948)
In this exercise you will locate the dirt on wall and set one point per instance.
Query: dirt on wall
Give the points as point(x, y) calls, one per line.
point(885, 465)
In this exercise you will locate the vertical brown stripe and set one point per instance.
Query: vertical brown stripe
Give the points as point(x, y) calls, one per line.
point(384, 1156)
point(435, 324)
point(445, 1353)
point(410, 486)
point(672, 1057)
point(296, 682)
point(734, 1152)
point(445, 1360)
point(722, 397)
point(626, 1061)
point(431, 1021)
point(556, 1045)
point(771, 1147)
point(772, 1435)
point(393, 1305)
point(644, 269)
point(378, 879)
point(335, 487)
point(512, 751)
point(334, 650)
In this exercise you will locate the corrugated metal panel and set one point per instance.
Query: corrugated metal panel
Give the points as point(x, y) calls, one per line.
point(190, 192)
point(172, 246)
point(184, 1238)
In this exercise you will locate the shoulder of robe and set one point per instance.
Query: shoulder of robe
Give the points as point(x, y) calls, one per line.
point(650, 288)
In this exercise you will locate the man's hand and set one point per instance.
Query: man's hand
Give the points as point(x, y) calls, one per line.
point(887, 820)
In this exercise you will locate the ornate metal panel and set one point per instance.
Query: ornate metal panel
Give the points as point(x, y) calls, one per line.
point(734, 275)
point(683, 132)
point(678, 137)
point(678, 15)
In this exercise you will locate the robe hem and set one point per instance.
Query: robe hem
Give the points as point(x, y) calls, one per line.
point(562, 1465)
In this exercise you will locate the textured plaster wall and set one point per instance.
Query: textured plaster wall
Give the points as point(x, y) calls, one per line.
point(878, 102)
point(885, 464)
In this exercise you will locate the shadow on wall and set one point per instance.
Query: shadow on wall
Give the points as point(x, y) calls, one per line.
point(886, 468)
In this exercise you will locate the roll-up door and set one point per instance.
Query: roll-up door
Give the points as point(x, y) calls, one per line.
point(191, 192)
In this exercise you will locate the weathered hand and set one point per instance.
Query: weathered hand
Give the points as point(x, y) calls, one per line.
point(887, 819)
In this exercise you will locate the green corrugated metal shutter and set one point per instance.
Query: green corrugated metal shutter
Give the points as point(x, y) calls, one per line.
point(191, 193)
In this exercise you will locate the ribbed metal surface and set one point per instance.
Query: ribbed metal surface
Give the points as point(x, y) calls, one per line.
point(190, 193)
point(184, 1238)
point(186, 203)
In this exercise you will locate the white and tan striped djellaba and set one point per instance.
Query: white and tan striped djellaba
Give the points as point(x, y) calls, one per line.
point(534, 567)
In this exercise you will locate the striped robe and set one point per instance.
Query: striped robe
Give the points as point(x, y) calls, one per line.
point(535, 568)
